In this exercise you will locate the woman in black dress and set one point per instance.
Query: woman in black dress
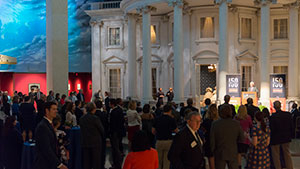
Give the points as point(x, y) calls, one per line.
point(12, 144)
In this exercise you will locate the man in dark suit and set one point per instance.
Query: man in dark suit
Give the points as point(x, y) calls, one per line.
point(80, 96)
point(189, 106)
point(226, 102)
point(46, 143)
point(251, 109)
point(281, 126)
point(186, 150)
point(106, 102)
point(225, 135)
point(92, 134)
point(116, 130)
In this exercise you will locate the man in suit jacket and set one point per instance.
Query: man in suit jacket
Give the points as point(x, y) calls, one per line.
point(46, 143)
point(92, 134)
point(189, 106)
point(226, 102)
point(225, 135)
point(281, 126)
point(106, 102)
point(186, 150)
point(80, 96)
point(251, 109)
point(116, 119)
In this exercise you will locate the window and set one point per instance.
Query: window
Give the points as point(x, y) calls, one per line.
point(282, 70)
point(153, 34)
point(206, 76)
point(115, 82)
point(246, 77)
point(172, 32)
point(207, 27)
point(114, 37)
point(154, 89)
point(280, 28)
point(246, 28)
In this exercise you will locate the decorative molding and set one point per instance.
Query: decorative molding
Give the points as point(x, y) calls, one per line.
point(295, 5)
point(264, 2)
point(94, 23)
point(244, 54)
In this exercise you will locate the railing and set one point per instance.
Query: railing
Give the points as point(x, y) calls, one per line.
point(105, 5)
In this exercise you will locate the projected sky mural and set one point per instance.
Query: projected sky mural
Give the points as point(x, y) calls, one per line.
point(23, 35)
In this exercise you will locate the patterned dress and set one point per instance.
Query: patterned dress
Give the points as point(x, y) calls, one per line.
point(258, 156)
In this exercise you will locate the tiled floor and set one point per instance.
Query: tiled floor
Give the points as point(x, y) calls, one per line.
point(295, 150)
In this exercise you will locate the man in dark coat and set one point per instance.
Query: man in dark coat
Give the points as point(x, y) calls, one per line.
point(189, 106)
point(46, 143)
point(116, 131)
point(226, 102)
point(106, 102)
point(80, 96)
point(186, 150)
point(170, 95)
point(92, 134)
point(251, 109)
point(281, 126)
point(225, 135)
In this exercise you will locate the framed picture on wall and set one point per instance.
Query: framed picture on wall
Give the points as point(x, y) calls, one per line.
point(33, 86)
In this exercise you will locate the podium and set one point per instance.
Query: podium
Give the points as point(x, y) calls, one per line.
point(246, 95)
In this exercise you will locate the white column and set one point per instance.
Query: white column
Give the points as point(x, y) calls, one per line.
point(178, 51)
point(223, 49)
point(293, 54)
point(264, 52)
point(132, 69)
point(57, 46)
point(146, 64)
point(96, 57)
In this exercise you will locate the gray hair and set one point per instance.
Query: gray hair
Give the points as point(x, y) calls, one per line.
point(191, 114)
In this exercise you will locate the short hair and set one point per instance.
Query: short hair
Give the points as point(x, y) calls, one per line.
point(90, 107)
point(132, 105)
point(294, 105)
point(56, 120)
point(69, 107)
point(226, 98)
point(77, 102)
point(146, 108)
point(48, 105)
point(140, 142)
point(225, 111)
point(57, 95)
point(112, 101)
point(63, 96)
point(98, 104)
point(118, 100)
point(207, 101)
point(249, 101)
point(191, 114)
point(167, 108)
point(277, 105)
point(189, 101)
point(27, 98)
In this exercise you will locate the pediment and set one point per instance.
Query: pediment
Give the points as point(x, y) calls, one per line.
point(247, 55)
point(114, 59)
point(206, 54)
point(154, 58)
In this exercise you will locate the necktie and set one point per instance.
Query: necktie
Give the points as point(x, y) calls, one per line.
point(198, 138)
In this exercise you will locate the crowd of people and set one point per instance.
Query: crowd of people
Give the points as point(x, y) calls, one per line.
point(165, 136)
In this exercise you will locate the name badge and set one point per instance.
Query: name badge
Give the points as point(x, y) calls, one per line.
point(193, 144)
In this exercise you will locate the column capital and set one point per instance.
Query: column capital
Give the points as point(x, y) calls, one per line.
point(95, 22)
point(131, 15)
point(178, 3)
point(264, 2)
point(145, 9)
point(294, 5)
point(218, 2)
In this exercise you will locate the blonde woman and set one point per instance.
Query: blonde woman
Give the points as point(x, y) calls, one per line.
point(134, 120)
point(246, 124)
point(211, 115)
